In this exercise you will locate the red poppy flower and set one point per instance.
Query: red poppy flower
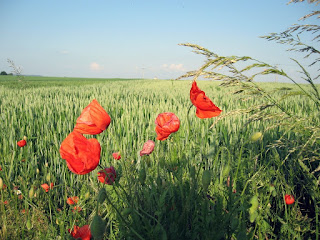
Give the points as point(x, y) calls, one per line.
point(107, 176)
point(93, 119)
point(82, 155)
point(22, 143)
point(166, 123)
point(116, 155)
point(72, 200)
point(205, 107)
point(289, 199)
point(147, 148)
point(76, 209)
point(46, 187)
point(81, 232)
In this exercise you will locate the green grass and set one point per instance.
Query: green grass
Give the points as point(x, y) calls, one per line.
point(170, 203)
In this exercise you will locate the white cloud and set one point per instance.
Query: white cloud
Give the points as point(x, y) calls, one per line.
point(95, 66)
point(174, 67)
point(63, 52)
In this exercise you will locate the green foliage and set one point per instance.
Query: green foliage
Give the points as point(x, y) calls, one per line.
point(161, 194)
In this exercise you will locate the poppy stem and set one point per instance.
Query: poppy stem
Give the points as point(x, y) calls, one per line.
point(101, 166)
point(188, 120)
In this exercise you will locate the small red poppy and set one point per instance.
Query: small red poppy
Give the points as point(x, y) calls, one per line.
point(46, 187)
point(72, 200)
point(81, 154)
point(205, 107)
point(166, 123)
point(116, 155)
point(107, 176)
point(147, 148)
point(22, 143)
point(81, 232)
point(93, 119)
point(76, 209)
point(289, 199)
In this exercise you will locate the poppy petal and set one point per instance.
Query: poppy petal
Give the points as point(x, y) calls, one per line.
point(205, 107)
point(93, 119)
point(82, 155)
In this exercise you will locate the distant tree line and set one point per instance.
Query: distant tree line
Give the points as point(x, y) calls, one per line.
point(5, 73)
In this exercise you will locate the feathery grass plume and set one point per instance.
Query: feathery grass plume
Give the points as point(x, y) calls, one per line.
point(293, 138)
point(16, 70)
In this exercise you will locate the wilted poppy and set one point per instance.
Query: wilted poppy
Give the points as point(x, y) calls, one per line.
point(166, 123)
point(205, 107)
point(116, 155)
point(289, 199)
point(81, 232)
point(82, 154)
point(147, 148)
point(46, 187)
point(107, 176)
point(22, 143)
point(93, 119)
point(72, 200)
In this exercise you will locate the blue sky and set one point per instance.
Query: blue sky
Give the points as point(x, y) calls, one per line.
point(139, 38)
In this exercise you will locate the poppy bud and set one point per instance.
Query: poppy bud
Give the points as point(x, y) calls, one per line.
point(87, 195)
point(31, 192)
point(253, 214)
point(256, 136)
point(102, 195)
point(206, 179)
point(38, 171)
point(126, 212)
point(48, 177)
point(254, 204)
point(1, 183)
point(29, 226)
point(97, 227)
point(142, 175)
point(25, 138)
